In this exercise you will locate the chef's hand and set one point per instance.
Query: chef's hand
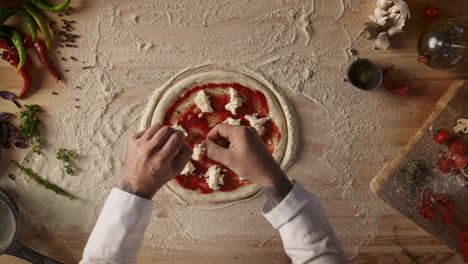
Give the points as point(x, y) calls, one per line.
point(154, 157)
point(242, 150)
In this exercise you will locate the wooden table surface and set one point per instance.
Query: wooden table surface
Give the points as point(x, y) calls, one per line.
point(382, 249)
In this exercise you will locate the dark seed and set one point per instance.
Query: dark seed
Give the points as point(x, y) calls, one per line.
point(54, 93)
point(77, 106)
point(17, 104)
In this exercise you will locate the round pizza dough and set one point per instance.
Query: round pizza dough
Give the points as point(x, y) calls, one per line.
point(280, 112)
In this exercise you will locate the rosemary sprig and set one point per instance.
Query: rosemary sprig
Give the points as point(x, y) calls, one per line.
point(30, 126)
point(67, 156)
point(44, 183)
point(413, 175)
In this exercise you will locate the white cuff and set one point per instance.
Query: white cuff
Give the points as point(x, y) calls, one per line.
point(290, 206)
point(119, 231)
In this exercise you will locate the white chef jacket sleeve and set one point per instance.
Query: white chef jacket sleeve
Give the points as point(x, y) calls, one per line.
point(119, 231)
point(304, 228)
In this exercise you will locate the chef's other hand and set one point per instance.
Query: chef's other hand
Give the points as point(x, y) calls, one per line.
point(154, 157)
point(242, 150)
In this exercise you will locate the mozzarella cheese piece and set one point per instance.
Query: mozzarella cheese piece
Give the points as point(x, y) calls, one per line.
point(198, 151)
point(180, 128)
point(257, 123)
point(214, 178)
point(235, 102)
point(233, 122)
point(189, 169)
point(203, 102)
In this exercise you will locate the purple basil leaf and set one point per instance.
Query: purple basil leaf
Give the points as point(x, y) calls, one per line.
point(21, 144)
point(5, 116)
point(3, 134)
point(13, 132)
point(7, 95)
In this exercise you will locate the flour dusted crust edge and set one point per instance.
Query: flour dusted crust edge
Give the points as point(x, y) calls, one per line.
point(281, 113)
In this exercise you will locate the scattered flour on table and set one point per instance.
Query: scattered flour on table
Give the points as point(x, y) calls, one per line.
point(134, 47)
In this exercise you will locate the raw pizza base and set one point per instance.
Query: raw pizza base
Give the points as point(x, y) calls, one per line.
point(164, 97)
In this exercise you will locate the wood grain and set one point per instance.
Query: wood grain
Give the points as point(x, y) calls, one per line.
point(428, 87)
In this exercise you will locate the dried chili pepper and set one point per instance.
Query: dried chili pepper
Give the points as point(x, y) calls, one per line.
point(40, 20)
point(14, 36)
point(44, 5)
point(25, 72)
point(464, 245)
point(5, 13)
point(427, 202)
point(426, 209)
point(42, 54)
point(5, 46)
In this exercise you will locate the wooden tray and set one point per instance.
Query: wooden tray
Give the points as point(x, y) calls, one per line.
point(452, 105)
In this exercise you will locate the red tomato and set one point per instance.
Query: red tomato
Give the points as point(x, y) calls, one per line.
point(431, 13)
point(442, 137)
point(460, 161)
point(458, 146)
point(446, 165)
point(400, 90)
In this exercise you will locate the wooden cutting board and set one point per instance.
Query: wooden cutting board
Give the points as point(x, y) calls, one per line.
point(387, 185)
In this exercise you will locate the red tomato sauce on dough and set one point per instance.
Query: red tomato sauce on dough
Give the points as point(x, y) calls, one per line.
point(198, 124)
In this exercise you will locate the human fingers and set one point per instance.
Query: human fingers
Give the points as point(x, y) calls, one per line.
point(150, 132)
point(172, 146)
point(182, 157)
point(138, 135)
point(222, 131)
point(161, 137)
point(217, 152)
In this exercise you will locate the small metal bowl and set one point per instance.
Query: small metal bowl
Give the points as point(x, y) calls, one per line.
point(359, 68)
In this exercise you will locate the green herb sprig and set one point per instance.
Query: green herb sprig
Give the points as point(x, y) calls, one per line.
point(68, 157)
point(29, 127)
point(44, 183)
point(412, 175)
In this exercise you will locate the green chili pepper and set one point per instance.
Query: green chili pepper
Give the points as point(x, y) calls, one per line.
point(41, 21)
point(5, 13)
point(11, 33)
point(44, 5)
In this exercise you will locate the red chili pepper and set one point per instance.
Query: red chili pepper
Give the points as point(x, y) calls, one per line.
point(28, 42)
point(14, 59)
point(464, 245)
point(426, 206)
point(5, 46)
point(42, 54)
